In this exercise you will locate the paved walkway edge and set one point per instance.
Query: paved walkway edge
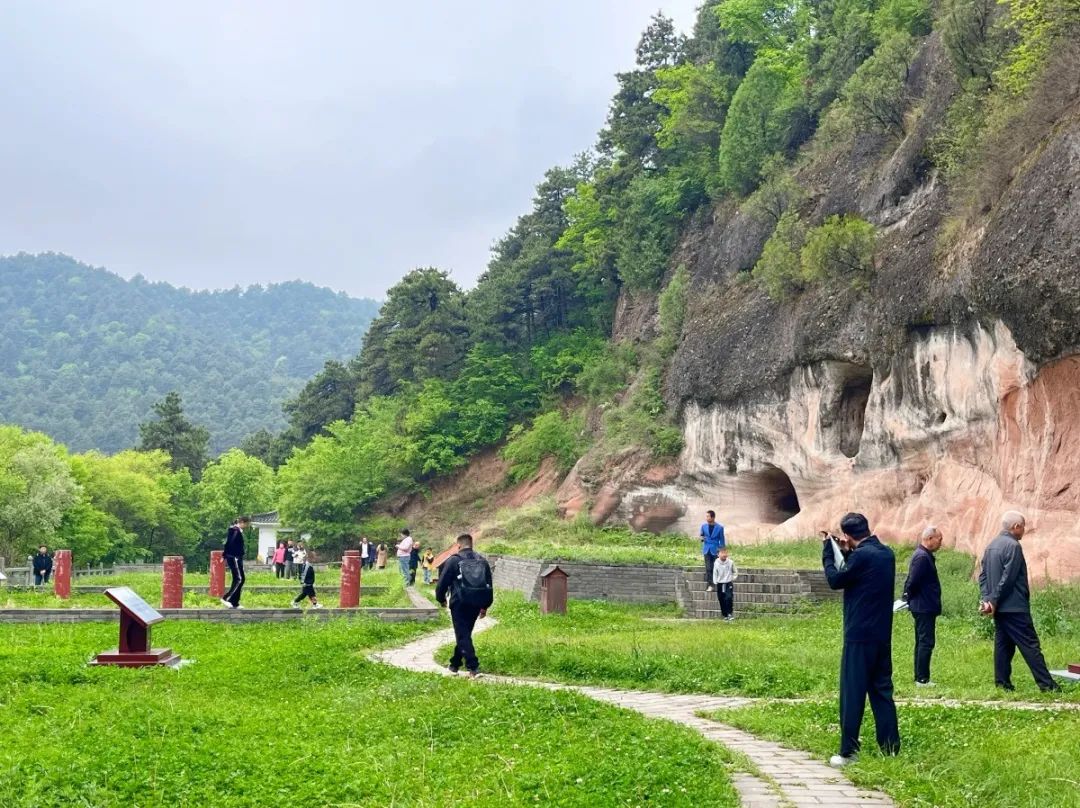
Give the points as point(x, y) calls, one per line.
point(791, 778)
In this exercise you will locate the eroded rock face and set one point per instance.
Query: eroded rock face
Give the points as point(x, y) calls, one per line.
point(957, 428)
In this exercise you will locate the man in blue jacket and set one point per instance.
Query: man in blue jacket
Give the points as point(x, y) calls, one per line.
point(867, 576)
point(712, 539)
point(922, 591)
point(1005, 596)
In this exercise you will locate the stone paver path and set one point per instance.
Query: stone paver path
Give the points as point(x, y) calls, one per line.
point(789, 778)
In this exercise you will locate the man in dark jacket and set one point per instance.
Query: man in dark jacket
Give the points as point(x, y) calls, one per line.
point(42, 566)
point(234, 560)
point(1003, 588)
point(867, 576)
point(465, 578)
point(922, 591)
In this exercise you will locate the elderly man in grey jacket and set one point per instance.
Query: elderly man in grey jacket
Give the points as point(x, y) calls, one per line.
point(1003, 587)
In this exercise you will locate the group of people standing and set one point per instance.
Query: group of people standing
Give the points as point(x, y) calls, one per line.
point(411, 557)
point(865, 569)
point(289, 558)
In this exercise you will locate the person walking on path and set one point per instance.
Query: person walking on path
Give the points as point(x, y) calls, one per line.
point(404, 551)
point(1006, 597)
point(724, 575)
point(365, 553)
point(380, 558)
point(279, 560)
point(234, 560)
point(868, 577)
point(42, 565)
point(922, 591)
point(307, 580)
point(465, 586)
point(712, 539)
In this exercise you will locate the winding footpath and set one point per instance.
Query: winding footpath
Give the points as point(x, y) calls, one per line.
point(783, 778)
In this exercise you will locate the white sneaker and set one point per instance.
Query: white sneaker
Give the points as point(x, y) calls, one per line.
point(238, 606)
point(318, 606)
point(839, 761)
point(226, 603)
point(296, 605)
point(709, 589)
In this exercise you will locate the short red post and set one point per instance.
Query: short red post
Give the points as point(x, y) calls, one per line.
point(172, 582)
point(62, 574)
point(350, 580)
point(217, 574)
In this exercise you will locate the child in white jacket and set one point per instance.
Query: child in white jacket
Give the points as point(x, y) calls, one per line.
point(724, 575)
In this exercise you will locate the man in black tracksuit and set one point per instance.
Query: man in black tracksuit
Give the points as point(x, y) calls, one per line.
point(234, 560)
point(922, 591)
point(1005, 596)
point(468, 600)
point(868, 577)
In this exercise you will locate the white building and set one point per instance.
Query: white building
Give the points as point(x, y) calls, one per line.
point(270, 530)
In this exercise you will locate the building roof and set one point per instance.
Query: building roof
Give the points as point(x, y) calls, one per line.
point(269, 518)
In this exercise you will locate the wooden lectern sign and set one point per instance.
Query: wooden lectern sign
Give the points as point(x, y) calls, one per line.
point(136, 617)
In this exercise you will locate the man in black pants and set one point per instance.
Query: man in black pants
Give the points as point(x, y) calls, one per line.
point(867, 576)
point(43, 564)
point(922, 591)
point(234, 560)
point(466, 579)
point(1003, 587)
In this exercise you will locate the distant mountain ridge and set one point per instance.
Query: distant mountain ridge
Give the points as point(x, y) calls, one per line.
point(84, 354)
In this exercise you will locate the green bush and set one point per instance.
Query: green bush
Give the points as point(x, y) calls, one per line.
point(841, 247)
point(672, 305)
point(606, 374)
point(877, 92)
point(550, 435)
point(778, 269)
point(761, 117)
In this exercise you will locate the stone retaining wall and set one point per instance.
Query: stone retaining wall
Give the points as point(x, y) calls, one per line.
point(626, 583)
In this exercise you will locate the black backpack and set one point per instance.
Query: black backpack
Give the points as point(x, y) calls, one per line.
point(472, 587)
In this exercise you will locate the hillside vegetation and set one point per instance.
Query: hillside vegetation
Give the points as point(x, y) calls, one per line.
point(768, 115)
point(85, 354)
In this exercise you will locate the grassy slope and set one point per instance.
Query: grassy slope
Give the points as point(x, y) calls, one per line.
point(295, 715)
point(951, 757)
point(537, 532)
point(771, 656)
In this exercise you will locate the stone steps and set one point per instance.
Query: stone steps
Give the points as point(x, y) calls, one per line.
point(758, 592)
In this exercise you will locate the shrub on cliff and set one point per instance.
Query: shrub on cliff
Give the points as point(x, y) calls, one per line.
point(550, 435)
point(842, 247)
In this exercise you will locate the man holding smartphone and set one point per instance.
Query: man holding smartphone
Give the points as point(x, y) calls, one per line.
point(868, 577)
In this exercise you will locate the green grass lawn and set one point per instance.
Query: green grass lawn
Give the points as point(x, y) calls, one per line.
point(295, 714)
point(148, 585)
point(787, 657)
point(951, 757)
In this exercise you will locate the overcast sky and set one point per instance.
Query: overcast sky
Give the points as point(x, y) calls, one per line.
point(217, 143)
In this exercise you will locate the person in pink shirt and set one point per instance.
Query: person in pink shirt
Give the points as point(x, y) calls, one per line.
point(404, 550)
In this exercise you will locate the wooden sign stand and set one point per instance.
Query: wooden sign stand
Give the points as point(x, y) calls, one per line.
point(136, 618)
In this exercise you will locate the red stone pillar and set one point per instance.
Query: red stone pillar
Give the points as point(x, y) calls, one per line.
point(172, 582)
point(350, 580)
point(62, 574)
point(217, 574)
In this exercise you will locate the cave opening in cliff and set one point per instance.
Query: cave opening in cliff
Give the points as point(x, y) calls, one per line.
point(776, 495)
point(855, 384)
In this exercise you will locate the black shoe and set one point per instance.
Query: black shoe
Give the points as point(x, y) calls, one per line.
point(472, 674)
point(1055, 688)
point(1006, 688)
point(453, 668)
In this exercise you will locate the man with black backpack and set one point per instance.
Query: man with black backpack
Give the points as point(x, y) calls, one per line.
point(466, 579)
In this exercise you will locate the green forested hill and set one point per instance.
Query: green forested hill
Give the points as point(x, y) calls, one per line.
point(84, 354)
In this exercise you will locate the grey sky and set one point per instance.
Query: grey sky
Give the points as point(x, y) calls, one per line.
point(218, 143)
